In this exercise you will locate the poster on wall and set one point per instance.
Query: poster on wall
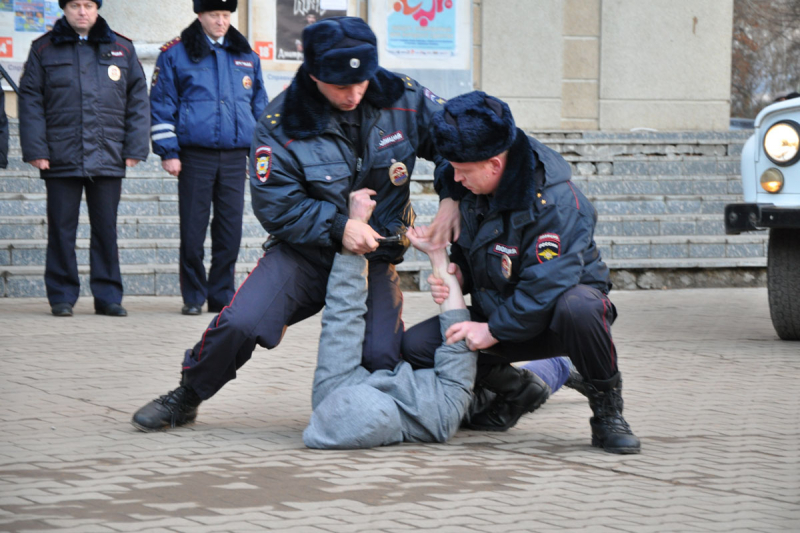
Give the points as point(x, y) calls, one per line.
point(423, 34)
point(276, 29)
point(22, 22)
point(417, 31)
point(292, 16)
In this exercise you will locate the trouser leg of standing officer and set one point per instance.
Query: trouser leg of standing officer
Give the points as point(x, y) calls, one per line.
point(199, 169)
point(102, 201)
point(61, 267)
point(283, 289)
point(226, 227)
point(580, 327)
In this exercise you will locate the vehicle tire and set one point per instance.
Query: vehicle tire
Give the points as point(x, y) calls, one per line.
point(783, 282)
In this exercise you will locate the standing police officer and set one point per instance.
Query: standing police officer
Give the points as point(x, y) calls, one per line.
point(527, 255)
point(83, 114)
point(206, 96)
point(344, 124)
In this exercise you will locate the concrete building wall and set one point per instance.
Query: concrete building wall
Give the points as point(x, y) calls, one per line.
point(560, 64)
point(607, 64)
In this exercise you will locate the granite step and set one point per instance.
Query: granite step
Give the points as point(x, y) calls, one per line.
point(684, 247)
point(144, 279)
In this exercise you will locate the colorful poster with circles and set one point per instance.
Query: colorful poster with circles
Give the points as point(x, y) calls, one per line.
point(425, 29)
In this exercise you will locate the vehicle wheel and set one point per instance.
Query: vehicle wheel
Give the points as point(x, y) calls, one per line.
point(783, 282)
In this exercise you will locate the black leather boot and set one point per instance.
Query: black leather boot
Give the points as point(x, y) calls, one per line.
point(176, 408)
point(503, 396)
point(610, 431)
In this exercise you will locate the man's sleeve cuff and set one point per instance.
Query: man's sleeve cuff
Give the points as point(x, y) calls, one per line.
point(337, 229)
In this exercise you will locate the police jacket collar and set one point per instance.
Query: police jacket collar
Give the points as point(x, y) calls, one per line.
point(99, 34)
point(307, 113)
point(198, 46)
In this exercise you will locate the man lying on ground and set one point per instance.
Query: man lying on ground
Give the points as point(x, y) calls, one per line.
point(355, 409)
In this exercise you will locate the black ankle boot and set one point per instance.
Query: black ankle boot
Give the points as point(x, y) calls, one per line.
point(503, 396)
point(610, 431)
point(176, 408)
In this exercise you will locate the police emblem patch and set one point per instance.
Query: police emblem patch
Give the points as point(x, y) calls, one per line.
point(114, 73)
point(392, 138)
point(155, 77)
point(247, 82)
point(548, 247)
point(511, 251)
point(398, 173)
point(263, 162)
point(505, 265)
point(433, 98)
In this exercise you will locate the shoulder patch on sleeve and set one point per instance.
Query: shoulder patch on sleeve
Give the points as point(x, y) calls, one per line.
point(167, 46)
point(432, 97)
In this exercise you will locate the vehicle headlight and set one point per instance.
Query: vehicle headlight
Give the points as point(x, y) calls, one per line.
point(772, 180)
point(782, 142)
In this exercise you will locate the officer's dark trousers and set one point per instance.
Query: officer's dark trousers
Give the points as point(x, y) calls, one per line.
point(61, 269)
point(218, 177)
point(580, 328)
point(283, 289)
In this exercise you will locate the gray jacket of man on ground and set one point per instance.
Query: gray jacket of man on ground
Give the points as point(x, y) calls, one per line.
point(355, 409)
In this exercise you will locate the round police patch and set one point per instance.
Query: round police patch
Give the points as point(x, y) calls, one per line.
point(548, 247)
point(155, 77)
point(247, 82)
point(114, 73)
point(398, 173)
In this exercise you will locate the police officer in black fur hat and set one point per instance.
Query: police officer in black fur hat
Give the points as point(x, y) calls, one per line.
point(527, 255)
point(207, 94)
point(343, 125)
point(83, 117)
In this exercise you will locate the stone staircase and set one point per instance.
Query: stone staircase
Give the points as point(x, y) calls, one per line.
point(660, 197)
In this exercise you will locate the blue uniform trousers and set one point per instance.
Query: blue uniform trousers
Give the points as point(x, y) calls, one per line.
point(580, 328)
point(285, 288)
point(61, 268)
point(209, 177)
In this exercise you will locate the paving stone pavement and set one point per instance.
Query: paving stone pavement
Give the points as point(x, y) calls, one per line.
point(709, 388)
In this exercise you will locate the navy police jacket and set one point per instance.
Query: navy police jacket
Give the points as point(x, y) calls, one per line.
point(204, 96)
point(522, 248)
point(83, 103)
point(304, 166)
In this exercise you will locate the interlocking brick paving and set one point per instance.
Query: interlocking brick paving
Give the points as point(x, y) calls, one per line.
point(709, 388)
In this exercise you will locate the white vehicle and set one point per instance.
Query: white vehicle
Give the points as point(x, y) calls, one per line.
point(771, 187)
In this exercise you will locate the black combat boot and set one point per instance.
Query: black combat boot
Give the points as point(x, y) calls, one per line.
point(176, 408)
point(503, 396)
point(610, 431)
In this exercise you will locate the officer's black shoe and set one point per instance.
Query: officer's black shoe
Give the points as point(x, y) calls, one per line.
point(516, 391)
point(610, 431)
point(192, 310)
point(111, 310)
point(176, 408)
point(62, 309)
point(575, 381)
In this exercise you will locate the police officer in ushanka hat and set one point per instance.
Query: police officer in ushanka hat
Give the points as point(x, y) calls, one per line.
point(207, 94)
point(343, 125)
point(527, 255)
point(83, 117)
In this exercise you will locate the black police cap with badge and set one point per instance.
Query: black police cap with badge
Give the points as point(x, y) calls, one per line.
point(340, 50)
